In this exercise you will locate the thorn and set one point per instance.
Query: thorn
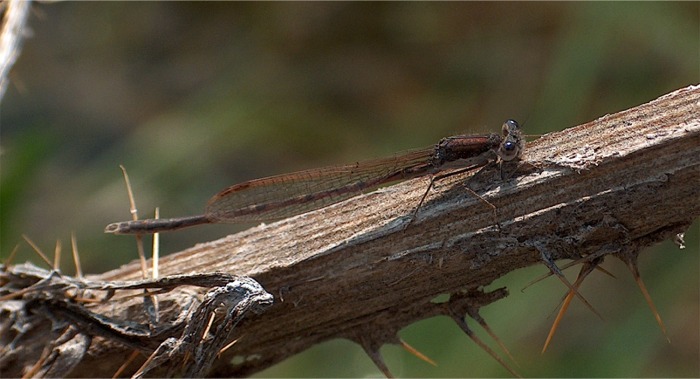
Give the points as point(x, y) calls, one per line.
point(581, 260)
point(536, 280)
point(550, 273)
point(417, 353)
point(57, 256)
point(36, 249)
point(606, 272)
point(223, 350)
point(463, 325)
point(631, 261)
point(76, 256)
point(34, 370)
point(132, 203)
point(155, 250)
point(185, 360)
point(126, 363)
point(557, 320)
point(16, 294)
point(135, 215)
point(145, 366)
point(557, 272)
point(376, 357)
point(474, 314)
point(205, 334)
point(586, 269)
point(9, 259)
point(155, 259)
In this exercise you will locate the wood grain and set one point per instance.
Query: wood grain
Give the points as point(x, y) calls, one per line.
point(361, 270)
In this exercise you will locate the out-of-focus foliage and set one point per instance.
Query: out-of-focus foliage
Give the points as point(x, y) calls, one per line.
point(192, 97)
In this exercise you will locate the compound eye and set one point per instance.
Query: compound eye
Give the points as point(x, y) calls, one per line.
point(509, 146)
point(510, 125)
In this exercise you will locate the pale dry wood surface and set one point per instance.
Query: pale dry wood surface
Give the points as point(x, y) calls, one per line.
point(11, 35)
point(360, 270)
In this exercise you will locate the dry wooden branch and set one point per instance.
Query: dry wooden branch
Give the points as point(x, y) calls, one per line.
point(360, 270)
point(11, 36)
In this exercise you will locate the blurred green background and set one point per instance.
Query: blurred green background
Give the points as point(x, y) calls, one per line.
point(193, 97)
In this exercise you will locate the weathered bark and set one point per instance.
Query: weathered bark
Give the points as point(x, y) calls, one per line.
point(11, 36)
point(363, 269)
